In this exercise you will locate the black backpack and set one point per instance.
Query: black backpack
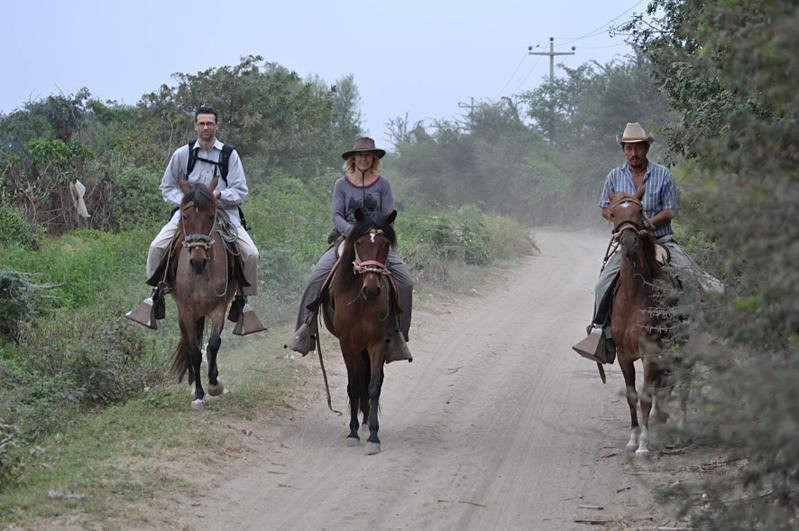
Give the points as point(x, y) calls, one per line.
point(222, 164)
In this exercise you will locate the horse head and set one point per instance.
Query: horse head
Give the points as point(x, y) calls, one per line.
point(370, 241)
point(197, 221)
point(629, 223)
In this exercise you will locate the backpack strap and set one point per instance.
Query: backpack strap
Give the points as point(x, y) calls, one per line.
point(224, 160)
point(223, 163)
point(192, 158)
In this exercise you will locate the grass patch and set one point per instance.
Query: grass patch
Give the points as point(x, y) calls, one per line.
point(108, 458)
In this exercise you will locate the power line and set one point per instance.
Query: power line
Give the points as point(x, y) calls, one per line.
point(511, 76)
point(603, 26)
point(528, 75)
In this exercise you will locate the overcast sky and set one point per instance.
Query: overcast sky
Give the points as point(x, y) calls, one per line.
point(419, 57)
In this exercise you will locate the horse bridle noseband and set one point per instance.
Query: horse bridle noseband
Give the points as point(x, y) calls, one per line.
point(369, 266)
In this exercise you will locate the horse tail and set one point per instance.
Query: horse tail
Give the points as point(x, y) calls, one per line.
point(180, 361)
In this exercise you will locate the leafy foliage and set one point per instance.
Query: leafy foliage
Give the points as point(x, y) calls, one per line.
point(729, 69)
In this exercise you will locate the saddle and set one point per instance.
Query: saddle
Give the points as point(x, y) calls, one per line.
point(166, 271)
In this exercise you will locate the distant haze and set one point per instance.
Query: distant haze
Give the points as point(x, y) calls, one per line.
point(423, 58)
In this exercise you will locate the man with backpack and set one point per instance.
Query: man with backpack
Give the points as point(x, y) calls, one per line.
point(200, 161)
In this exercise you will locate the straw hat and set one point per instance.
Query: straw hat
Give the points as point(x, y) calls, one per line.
point(364, 144)
point(634, 133)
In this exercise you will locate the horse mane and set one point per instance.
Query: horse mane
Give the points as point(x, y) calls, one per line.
point(370, 220)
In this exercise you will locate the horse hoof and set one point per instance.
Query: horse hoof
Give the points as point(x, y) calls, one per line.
point(197, 403)
point(353, 441)
point(631, 447)
point(642, 453)
point(216, 390)
point(372, 448)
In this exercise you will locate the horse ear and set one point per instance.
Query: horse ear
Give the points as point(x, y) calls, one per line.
point(358, 215)
point(391, 217)
point(184, 185)
point(640, 194)
point(213, 184)
point(611, 197)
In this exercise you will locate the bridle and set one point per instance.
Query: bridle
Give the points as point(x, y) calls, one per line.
point(628, 224)
point(190, 241)
point(369, 266)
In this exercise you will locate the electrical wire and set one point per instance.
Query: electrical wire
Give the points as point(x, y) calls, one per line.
point(604, 26)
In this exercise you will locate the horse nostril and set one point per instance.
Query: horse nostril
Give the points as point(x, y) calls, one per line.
point(198, 265)
point(370, 293)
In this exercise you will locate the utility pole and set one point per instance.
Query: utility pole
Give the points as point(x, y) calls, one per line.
point(551, 53)
point(469, 106)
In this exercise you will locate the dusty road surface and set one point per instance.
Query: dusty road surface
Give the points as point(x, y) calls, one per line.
point(497, 424)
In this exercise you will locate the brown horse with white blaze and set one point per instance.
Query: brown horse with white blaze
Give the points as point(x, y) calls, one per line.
point(633, 315)
point(204, 286)
point(361, 297)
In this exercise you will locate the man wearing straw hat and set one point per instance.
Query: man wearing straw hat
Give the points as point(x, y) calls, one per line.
point(659, 201)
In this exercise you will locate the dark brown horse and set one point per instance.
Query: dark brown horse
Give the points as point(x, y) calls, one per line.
point(204, 286)
point(633, 315)
point(360, 298)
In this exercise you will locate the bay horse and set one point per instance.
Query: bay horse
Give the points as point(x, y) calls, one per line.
point(204, 286)
point(634, 315)
point(360, 303)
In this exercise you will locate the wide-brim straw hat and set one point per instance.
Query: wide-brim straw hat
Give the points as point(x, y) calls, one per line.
point(364, 144)
point(634, 133)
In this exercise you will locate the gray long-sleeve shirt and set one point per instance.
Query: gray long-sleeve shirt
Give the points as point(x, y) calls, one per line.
point(347, 197)
point(230, 195)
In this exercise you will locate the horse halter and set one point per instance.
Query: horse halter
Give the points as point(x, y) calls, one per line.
point(190, 241)
point(369, 266)
point(628, 224)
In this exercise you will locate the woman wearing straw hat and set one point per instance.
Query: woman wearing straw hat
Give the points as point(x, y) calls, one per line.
point(362, 187)
point(659, 202)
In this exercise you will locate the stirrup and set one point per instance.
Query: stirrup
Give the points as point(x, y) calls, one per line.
point(302, 340)
point(396, 348)
point(592, 347)
point(248, 322)
point(144, 314)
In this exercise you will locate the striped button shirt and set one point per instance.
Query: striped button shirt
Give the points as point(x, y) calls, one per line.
point(660, 193)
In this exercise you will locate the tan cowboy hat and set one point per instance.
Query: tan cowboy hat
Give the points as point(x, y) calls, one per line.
point(634, 133)
point(364, 144)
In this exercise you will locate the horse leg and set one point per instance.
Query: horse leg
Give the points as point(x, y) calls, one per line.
point(628, 370)
point(215, 387)
point(189, 327)
point(353, 393)
point(650, 381)
point(364, 391)
point(375, 385)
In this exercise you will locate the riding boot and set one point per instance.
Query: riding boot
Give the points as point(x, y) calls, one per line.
point(304, 338)
point(159, 307)
point(610, 346)
point(236, 307)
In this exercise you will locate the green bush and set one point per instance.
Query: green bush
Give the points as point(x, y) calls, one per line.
point(20, 300)
point(15, 230)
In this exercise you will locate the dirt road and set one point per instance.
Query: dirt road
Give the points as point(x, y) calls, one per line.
point(497, 424)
